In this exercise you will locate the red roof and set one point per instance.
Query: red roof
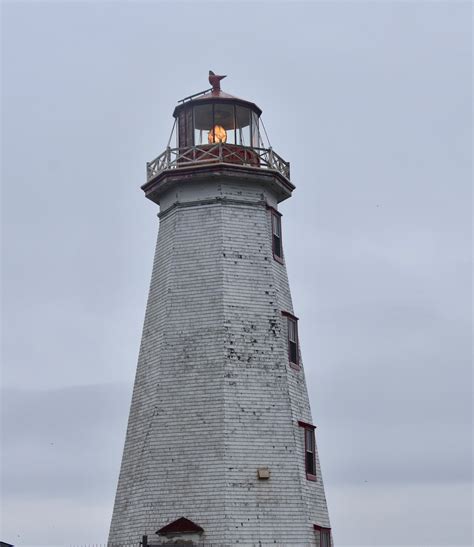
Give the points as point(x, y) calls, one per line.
point(180, 526)
point(217, 95)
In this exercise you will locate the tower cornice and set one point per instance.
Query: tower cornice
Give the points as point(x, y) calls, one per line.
point(212, 201)
point(167, 179)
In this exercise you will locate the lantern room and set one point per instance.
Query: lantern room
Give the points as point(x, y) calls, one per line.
point(217, 117)
point(213, 127)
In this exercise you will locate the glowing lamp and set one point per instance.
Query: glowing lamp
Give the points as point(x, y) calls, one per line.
point(217, 134)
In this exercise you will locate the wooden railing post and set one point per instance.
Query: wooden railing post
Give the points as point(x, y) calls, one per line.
point(270, 157)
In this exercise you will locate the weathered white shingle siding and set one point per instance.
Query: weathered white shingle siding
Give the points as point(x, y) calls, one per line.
point(215, 397)
point(313, 492)
point(259, 431)
point(173, 457)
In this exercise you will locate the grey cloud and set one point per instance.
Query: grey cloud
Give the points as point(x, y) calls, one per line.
point(63, 443)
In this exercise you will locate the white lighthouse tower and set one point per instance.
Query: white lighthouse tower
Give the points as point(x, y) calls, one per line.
point(220, 447)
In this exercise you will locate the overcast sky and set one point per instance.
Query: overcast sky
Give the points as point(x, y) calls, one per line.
point(371, 103)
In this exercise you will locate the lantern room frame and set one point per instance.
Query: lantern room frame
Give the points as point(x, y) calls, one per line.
point(242, 145)
point(208, 111)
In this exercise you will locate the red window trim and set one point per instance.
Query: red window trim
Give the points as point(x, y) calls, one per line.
point(274, 212)
point(306, 425)
point(323, 528)
point(311, 427)
point(289, 314)
point(278, 259)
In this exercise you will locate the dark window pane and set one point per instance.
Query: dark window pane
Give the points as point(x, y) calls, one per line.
point(291, 330)
point(277, 246)
point(293, 352)
point(325, 538)
point(309, 440)
point(310, 463)
point(276, 224)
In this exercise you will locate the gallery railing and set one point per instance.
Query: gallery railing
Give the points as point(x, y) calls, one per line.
point(176, 158)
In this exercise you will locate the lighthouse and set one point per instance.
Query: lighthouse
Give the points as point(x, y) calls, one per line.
point(220, 446)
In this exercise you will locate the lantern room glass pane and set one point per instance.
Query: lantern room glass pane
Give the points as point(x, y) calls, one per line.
point(181, 129)
point(224, 124)
point(202, 123)
point(255, 131)
point(243, 126)
point(185, 127)
point(214, 123)
point(189, 127)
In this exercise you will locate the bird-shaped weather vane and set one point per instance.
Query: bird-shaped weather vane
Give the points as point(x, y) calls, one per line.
point(215, 81)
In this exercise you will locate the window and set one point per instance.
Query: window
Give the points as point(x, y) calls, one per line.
point(276, 236)
point(293, 350)
point(324, 535)
point(293, 340)
point(309, 450)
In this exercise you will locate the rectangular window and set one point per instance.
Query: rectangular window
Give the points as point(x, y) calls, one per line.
point(293, 349)
point(324, 535)
point(276, 236)
point(293, 341)
point(309, 450)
